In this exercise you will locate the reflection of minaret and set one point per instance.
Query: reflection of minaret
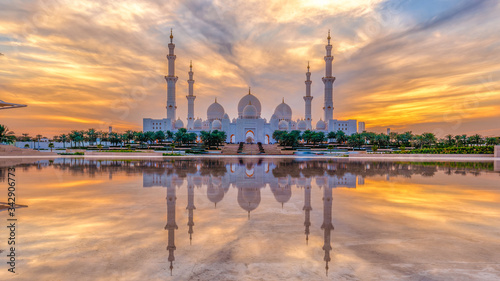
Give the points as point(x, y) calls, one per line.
point(308, 209)
point(327, 225)
point(190, 207)
point(308, 98)
point(171, 225)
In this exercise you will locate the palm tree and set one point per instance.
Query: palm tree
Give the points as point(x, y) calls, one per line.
point(51, 145)
point(6, 136)
point(63, 138)
point(340, 136)
point(449, 140)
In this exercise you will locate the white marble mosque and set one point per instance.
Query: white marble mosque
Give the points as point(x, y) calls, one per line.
point(249, 124)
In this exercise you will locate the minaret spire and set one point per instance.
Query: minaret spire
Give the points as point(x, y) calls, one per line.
point(190, 97)
point(308, 99)
point(327, 225)
point(171, 225)
point(190, 207)
point(171, 80)
point(328, 81)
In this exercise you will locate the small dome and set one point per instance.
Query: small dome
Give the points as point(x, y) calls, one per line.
point(215, 111)
point(179, 124)
point(283, 111)
point(226, 116)
point(198, 124)
point(245, 100)
point(302, 126)
point(320, 125)
point(283, 125)
point(216, 125)
point(250, 112)
point(274, 117)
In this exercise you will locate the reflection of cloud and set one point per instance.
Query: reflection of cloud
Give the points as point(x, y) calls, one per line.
point(394, 65)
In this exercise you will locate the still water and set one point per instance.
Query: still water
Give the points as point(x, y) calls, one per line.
point(253, 219)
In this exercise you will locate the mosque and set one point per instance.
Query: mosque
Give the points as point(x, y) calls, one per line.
point(249, 126)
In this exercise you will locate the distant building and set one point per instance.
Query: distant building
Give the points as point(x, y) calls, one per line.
point(361, 127)
point(249, 126)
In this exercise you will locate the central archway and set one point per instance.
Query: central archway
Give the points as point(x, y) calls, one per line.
point(250, 136)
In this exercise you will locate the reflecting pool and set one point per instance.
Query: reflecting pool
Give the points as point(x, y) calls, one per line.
point(253, 219)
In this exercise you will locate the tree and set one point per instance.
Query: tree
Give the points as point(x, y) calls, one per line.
point(476, 139)
point(492, 141)
point(6, 135)
point(340, 136)
point(449, 140)
point(169, 135)
point(307, 136)
point(331, 135)
point(355, 140)
point(63, 138)
point(278, 136)
point(428, 139)
point(150, 136)
point(159, 136)
point(404, 138)
point(180, 136)
point(51, 145)
point(91, 135)
point(318, 137)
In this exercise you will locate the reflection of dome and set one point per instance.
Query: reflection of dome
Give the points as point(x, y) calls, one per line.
point(283, 125)
point(248, 99)
point(215, 111)
point(302, 126)
point(226, 116)
point(249, 198)
point(282, 193)
point(198, 124)
point(283, 111)
point(250, 112)
point(216, 125)
point(320, 125)
point(215, 192)
point(179, 124)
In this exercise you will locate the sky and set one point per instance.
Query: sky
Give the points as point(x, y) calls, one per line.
point(421, 66)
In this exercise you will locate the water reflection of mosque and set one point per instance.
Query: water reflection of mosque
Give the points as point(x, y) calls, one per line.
point(249, 178)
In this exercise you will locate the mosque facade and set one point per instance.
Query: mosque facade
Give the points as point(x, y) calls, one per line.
point(249, 125)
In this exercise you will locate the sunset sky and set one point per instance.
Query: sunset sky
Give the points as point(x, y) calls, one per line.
point(424, 66)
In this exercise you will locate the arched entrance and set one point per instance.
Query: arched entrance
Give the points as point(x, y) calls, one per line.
point(233, 138)
point(266, 139)
point(250, 137)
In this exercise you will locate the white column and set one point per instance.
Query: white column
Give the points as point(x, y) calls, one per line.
point(308, 98)
point(190, 97)
point(171, 80)
point(328, 81)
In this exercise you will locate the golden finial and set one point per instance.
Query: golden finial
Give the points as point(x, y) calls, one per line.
point(191, 64)
point(171, 35)
point(307, 65)
point(249, 90)
point(249, 102)
point(283, 101)
point(215, 100)
point(329, 35)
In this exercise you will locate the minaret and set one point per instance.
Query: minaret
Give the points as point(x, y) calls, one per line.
point(190, 207)
point(307, 208)
point(171, 80)
point(308, 98)
point(328, 81)
point(171, 225)
point(190, 98)
point(327, 225)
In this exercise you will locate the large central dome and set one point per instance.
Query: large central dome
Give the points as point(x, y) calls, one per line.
point(215, 111)
point(248, 99)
